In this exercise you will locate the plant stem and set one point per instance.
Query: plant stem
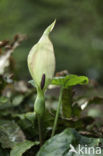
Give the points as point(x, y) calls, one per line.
point(39, 108)
point(57, 112)
point(40, 130)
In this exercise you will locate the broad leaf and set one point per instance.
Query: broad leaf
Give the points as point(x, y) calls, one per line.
point(17, 100)
point(70, 80)
point(4, 102)
point(7, 102)
point(22, 147)
point(31, 116)
point(10, 133)
point(60, 144)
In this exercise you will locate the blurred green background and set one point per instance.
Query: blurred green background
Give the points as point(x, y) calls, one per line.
point(77, 37)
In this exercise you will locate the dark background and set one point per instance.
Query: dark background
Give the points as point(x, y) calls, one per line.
point(77, 37)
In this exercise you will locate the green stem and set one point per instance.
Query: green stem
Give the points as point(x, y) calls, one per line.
point(39, 108)
point(57, 113)
point(40, 130)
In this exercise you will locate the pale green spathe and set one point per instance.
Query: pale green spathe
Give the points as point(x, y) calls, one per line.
point(41, 59)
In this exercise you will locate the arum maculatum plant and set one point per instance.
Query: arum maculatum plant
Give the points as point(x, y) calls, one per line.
point(41, 63)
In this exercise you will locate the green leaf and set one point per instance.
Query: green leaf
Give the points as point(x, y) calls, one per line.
point(7, 102)
point(10, 133)
point(67, 102)
point(3, 99)
point(17, 100)
point(30, 116)
point(4, 102)
point(70, 80)
point(60, 144)
point(22, 147)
